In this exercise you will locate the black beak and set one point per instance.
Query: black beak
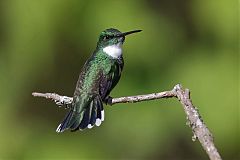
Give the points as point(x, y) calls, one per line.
point(127, 33)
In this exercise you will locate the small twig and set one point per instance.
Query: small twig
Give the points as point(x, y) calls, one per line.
point(58, 99)
point(194, 119)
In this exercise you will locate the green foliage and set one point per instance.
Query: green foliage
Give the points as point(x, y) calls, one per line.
point(43, 45)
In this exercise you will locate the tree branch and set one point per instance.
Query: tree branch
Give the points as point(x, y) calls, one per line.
point(195, 122)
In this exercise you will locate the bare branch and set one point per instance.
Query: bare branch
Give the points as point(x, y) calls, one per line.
point(199, 129)
point(146, 97)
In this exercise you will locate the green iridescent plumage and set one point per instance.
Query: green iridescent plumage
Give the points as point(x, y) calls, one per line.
point(98, 77)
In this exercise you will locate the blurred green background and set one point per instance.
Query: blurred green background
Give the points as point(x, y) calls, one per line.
point(43, 45)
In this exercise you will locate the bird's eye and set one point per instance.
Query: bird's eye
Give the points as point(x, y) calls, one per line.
point(106, 38)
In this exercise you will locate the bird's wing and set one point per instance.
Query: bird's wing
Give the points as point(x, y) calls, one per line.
point(87, 109)
point(110, 80)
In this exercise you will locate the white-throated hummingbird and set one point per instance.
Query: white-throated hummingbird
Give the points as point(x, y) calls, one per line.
point(98, 77)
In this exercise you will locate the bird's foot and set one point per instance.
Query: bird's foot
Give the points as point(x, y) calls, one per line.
point(108, 100)
point(63, 101)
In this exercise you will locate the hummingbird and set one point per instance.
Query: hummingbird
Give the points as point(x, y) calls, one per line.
point(99, 75)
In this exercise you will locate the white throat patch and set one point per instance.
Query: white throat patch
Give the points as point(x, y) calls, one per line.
point(114, 50)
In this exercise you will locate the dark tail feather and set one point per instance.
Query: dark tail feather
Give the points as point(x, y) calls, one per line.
point(93, 114)
point(86, 117)
point(100, 112)
point(93, 117)
point(65, 122)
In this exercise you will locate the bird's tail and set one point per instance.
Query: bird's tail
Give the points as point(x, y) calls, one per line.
point(91, 114)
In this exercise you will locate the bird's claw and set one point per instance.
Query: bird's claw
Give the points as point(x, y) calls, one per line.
point(64, 100)
point(108, 100)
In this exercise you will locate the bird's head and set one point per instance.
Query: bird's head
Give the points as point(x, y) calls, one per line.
point(112, 36)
